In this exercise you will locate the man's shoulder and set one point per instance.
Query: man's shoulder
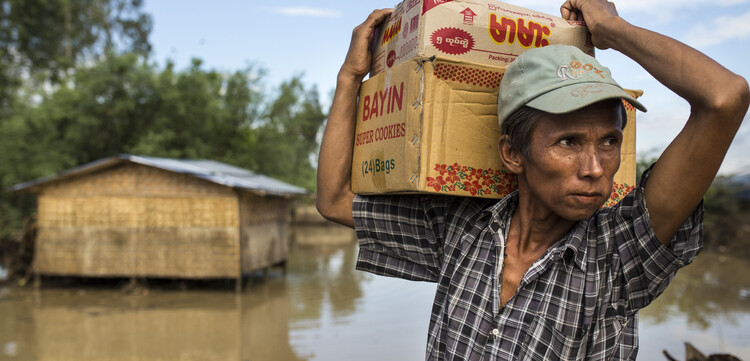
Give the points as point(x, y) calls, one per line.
point(430, 199)
point(445, 205)
point(473, 204)
point(464, 207)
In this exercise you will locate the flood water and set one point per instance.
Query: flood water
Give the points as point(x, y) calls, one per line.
point(322, 310)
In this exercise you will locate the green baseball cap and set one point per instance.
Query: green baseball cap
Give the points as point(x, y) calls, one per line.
point(556, 79)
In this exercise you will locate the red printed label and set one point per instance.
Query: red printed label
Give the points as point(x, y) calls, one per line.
point(386, 132)
point(452, 41)
point(507, 30)
point(468, 16)
point(391, 32)
point(391, 58)
point(414, 24)
point(383, 102)
point(429, 4)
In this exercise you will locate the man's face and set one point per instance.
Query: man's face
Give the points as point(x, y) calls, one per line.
point(574, 158)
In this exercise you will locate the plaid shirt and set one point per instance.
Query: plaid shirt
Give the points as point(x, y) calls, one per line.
point(580, 300)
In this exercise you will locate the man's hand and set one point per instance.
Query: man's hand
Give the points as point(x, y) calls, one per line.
point(596, 13)
point(335, 197)
point(357, 63)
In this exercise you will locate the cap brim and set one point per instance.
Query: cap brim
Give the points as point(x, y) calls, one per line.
point(576, 96)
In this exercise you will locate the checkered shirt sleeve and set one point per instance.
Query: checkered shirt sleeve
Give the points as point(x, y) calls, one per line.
point(400, 236)
point(644, 266)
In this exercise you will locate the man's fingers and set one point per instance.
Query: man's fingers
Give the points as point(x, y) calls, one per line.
point(572, 9)
point(366, 29)
point(566, 10)
point(377, 16)
point(613, 7)
point(357, 61)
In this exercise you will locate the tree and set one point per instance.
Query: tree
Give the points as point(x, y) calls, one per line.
point(55, 35)
point(286, 141)
point(641, 165)
point(40, 40)
point(202, 114)
point(723, 218)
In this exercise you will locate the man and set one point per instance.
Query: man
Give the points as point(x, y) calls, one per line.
point(544, 273)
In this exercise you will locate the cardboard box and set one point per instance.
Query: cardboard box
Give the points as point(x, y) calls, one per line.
point(479, 31)
point(430, 126)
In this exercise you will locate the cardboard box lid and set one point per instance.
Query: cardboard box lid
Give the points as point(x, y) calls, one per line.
point(480, 31)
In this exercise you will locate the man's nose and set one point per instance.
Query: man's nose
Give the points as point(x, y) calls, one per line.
point(590, 164)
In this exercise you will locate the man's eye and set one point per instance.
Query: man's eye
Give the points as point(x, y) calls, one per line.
point(610, 141)
point(565, 141)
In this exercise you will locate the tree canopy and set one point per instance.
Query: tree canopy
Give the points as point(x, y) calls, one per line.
point(77, 84)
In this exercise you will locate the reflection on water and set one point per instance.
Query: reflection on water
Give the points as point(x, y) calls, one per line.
point(321, 310)
point(324, 310)
point(714, 287)
point(322, 234)
point(707, 304)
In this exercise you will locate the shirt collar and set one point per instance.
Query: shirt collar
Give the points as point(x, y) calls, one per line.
point(572, 247)
point(575, 246)
point(500, 211)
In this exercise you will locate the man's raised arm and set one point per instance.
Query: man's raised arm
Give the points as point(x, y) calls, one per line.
point(334, 198)
point(718, 99)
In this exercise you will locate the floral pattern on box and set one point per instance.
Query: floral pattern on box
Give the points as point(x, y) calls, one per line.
point(474, 181)
point(484, 182)
point(619, 191)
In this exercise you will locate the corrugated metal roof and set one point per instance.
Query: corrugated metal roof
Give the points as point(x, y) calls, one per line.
point(212, 171)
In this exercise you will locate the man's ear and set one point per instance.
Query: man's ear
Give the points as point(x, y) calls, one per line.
point(512, 160)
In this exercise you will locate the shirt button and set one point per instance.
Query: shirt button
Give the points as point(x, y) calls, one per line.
point(496, 332)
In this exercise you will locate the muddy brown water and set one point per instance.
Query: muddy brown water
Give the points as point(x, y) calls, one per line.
point(322, 310)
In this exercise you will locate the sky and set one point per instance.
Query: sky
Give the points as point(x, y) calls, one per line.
point(310, 39)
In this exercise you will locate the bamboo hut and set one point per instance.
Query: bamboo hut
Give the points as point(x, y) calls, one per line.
point(133, 216)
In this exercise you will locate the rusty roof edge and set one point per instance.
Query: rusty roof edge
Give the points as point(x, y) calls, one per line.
point(237, 183)
point(199, 168)
point(259, 183)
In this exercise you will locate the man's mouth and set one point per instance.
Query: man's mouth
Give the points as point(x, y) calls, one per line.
point(587, 197)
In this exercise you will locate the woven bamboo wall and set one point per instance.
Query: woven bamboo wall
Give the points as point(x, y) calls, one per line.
point(264, 233)
point(134, 220)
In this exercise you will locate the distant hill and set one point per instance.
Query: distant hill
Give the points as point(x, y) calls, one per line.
point(741, 182)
